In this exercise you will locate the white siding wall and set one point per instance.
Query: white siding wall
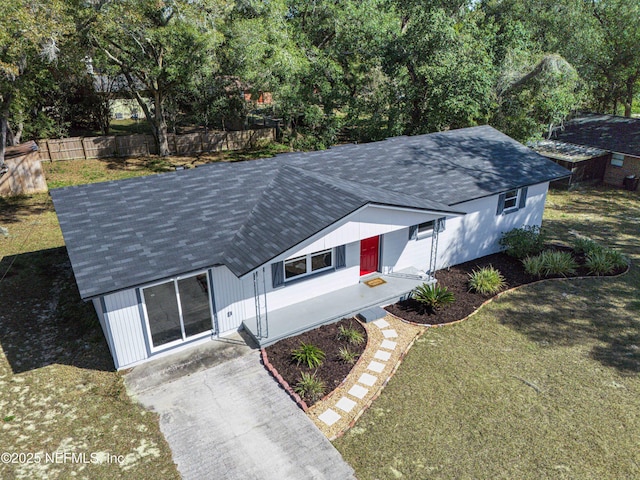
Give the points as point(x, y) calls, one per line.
point(367, 222)
point(398, 252)
point(477, 233)
point(125, 327)
point(234, 299)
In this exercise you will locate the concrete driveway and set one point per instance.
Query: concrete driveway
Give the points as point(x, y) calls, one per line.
point(232, 421)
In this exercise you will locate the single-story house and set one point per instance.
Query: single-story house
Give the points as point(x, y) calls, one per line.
point(278, 246)
point(618, 136)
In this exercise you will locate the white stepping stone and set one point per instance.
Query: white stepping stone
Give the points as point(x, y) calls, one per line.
point(388, 344)
point(376, 366)
point(384, 356)
point(358, 391)
point(389, 333)
point(329, 417)
point(381, 323)
point(368, 380)
point(345, 404)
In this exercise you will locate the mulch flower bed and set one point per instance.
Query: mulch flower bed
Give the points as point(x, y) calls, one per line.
point(333, 369)
point(456, 279)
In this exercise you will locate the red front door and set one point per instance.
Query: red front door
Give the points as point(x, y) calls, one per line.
point(369, 248)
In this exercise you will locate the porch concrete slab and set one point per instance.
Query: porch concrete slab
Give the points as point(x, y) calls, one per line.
point(367, 379)
point(233, 422)
point(375, 366)
point(384, 356)
point(388, 345)
point(329, 417)
point(382, 323)
point(358, 391)
point(345, 404)
point(327, 308)
point(391, 333)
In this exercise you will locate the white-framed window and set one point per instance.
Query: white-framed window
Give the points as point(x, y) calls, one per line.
point(426, 229)
point(177, 310)
point(511, 199)
point(617, 160)
point(309, 264)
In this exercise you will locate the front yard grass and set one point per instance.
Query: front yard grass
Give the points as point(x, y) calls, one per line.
point(544, 382)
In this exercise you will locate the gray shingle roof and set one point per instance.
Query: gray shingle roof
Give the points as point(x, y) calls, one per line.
point(608, 132)
point(130, 232)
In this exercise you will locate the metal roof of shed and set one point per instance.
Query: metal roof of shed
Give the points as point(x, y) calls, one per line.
point(127, 233)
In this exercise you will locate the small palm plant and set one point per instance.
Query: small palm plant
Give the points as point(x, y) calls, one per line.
point(308, 354)
point(433, 296)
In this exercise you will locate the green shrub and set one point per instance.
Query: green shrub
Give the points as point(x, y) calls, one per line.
point(599, 263)
point(433, 296)
point(559, 263)
point(618, 260)
point(350, 334)
point(550, 263)
point(347, 356)
point(310, 386)
point(523, 242)
point(308, 354)
point(487, 281)
point(604, 261)
point(534, 265)
point(584, 245)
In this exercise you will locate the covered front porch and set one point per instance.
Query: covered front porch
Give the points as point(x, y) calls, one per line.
point(331, 307)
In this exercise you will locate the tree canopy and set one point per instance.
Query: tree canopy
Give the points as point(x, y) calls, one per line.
point(341, 69)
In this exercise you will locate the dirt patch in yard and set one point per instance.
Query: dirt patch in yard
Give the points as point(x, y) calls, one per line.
point(333, 369)
point(456, 279)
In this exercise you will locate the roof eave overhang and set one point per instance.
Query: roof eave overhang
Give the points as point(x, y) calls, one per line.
point(457, 213)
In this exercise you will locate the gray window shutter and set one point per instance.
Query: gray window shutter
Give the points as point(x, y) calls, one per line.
point(277, 274)
point(523, 197)
point(440, 224)
point(413, 232)
point(501, 199)
point(341, 256)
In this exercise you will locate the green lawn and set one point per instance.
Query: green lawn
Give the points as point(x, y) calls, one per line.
point(542, 383)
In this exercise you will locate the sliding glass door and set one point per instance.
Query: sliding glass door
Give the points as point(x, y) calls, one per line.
point(178, 310)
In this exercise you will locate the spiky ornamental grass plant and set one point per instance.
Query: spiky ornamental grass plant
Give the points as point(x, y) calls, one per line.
point(350, 334)
point(347, 356)
point(486, 281)
point(308, 354)
point(604, 261)
point(310, 386)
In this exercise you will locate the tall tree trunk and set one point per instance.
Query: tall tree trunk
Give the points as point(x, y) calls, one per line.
point(160, 126)
point(4, 123)
point(628, 101)
point(156, 120)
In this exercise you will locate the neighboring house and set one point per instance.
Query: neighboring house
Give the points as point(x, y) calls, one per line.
point(618, 136)
point(278, 246)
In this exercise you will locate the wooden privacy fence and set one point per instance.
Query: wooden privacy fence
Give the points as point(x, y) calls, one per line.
point(79, 148)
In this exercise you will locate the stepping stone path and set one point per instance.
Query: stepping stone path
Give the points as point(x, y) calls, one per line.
point(359, 391)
